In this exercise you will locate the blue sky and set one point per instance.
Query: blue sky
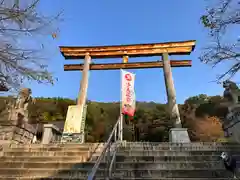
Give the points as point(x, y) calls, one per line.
point(108, 22)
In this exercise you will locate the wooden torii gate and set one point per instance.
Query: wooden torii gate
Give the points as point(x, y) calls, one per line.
point(178, 134)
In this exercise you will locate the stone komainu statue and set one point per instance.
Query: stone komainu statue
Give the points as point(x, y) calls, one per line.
point(232, 96)
point(23, 98)
point(231, 92)
point(22, 103)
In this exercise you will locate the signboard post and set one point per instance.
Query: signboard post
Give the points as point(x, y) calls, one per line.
point(74, 124)
point(83, 122)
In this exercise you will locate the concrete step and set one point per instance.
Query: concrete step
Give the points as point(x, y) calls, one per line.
point(43, 158)
point(121, 148)
point(50, 165)
point(57, 149)
point(168, 144)
point(171, 165)
point(102, 178)
point(179, 148)
point(118, 158)
point(119, 173)
point(120, 153)
point(148, 165)
point(130, 145)
point(46, 172)
point(57, 145)
point(47, 153)
point(159, 178)
point(169, 158)
point(176, 173)
point(171, 153)
point(201, 145)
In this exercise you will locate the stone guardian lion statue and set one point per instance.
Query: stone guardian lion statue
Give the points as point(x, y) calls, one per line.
point(231, 94)
point(21, 106)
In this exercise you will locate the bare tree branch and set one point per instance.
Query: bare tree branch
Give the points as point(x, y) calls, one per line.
point(19, 63)
point(219, 19)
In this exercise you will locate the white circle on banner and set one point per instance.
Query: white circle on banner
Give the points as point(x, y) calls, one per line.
point(128, 77)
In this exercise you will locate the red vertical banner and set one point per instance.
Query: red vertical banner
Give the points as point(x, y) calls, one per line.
point(128, 104)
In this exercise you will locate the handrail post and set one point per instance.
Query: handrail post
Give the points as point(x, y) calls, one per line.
point(115, 135)
point(114, 160)
point(108, 162)
point(121, 127)
point(119, 130)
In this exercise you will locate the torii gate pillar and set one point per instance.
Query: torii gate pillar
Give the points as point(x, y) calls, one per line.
point(82, 96)
point(76, 115)
point(177, 134)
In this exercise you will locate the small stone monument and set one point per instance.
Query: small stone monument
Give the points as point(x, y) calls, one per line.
point(231, 123)
point(17, 128)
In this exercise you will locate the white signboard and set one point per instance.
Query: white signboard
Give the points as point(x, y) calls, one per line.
point(74, 119)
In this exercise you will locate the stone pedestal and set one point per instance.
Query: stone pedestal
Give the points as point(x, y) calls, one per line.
point(231, 124)
point(16, 132)
point(51, 134)
point(179, 135)
point(72, 138)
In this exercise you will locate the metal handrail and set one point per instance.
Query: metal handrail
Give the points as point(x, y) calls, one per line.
point(107, 148)
point(112, 164)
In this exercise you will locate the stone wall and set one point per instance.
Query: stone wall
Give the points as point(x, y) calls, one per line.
point(16, 132)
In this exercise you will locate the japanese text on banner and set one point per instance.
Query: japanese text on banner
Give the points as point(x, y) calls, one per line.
point(128, 94)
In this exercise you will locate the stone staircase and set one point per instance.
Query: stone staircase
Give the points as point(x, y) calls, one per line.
point(43, 162)
point(154, 161)
point(149, 161)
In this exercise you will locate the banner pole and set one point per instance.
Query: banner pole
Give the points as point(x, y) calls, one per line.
point(121, 115)
point(121, 127)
